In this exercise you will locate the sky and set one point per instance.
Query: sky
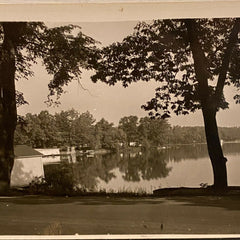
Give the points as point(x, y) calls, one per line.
point(109, 102)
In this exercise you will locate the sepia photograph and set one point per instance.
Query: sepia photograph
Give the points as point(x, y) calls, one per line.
point(119, 120)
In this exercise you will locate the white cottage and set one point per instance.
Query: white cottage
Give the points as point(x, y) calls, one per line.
point(27, 166)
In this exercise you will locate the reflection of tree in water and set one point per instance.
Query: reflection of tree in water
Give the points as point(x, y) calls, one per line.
point(148, 165)
point(178, 153)
point(231, 148)
point(87, 170)
point(134, 166)
point(184, 152)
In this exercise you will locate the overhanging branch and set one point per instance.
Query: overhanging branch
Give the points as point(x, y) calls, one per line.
point(233, 39)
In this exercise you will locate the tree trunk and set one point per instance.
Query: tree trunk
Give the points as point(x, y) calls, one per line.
point(208, 103)
point(214, 149)
point(8, 113)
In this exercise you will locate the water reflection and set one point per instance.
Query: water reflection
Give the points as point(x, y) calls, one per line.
point(148, 165)
point(176, 166)
point(231, 148)
point(183, 152)
point(88, 170)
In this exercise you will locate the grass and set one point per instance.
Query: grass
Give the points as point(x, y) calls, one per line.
point(127, 193)
point(206, 191)
point(41, 187)
point(27, 191)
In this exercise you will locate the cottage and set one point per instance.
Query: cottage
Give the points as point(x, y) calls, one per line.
point(27, 166)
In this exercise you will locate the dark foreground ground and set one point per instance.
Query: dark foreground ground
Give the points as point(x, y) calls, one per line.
point(111, 215)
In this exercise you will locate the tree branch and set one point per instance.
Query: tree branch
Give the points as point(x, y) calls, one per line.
point(233, 39)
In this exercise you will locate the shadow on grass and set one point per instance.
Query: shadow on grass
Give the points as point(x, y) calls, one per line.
point(228, 199)
point(231, 203)
point(82, 200)
point(226, 202)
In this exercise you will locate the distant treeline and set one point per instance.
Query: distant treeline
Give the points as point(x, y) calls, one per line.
point(186, 135)
point(71, 128)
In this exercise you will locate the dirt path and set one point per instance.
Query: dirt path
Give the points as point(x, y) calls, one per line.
point(101, 215)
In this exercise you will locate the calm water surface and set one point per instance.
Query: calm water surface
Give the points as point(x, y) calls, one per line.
point(187, 166)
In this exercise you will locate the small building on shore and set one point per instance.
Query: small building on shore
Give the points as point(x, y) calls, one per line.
point(27, 166)
point(50, 155)
point(55, 156)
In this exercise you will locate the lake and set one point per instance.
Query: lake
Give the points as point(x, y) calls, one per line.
point(179, 166)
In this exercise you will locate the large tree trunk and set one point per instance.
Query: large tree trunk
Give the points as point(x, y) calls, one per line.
point(214, 149)
point(8, 113)
point(209, 103)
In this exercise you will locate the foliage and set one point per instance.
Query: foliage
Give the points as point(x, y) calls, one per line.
point(64, 51)
point(83, 130)
point(38, 130)
point(38, 185)
point(70, 128)
point(161, 51)
point(67, 128)
point(108, 136)
point(64, 121)
point(59, 178)
point(186, 135)
point(192, 59)
point(130, 126)
point(155, 131)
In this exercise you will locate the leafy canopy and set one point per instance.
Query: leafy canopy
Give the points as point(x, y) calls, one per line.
point(64, 51)
point(160, 51)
